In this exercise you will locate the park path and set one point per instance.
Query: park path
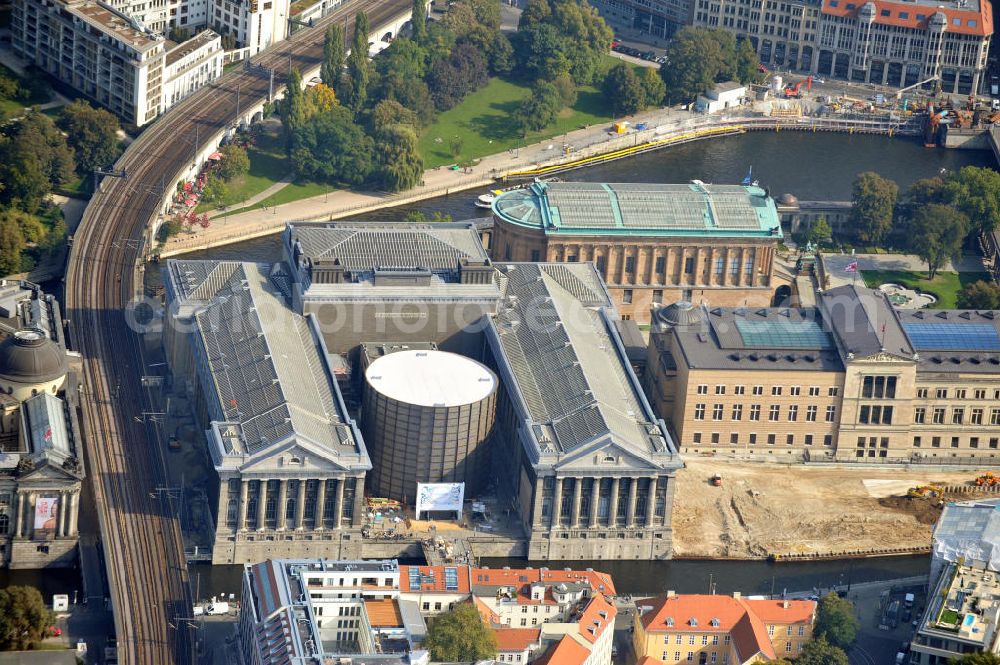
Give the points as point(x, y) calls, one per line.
point(260, 196)
point(436, 182)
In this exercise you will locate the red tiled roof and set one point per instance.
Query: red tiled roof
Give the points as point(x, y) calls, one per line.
point(702, 608)
point(774, 611)
point(426, 573)
point(745, 619)
point(516, 639)
point(566, 652)
point(598, 615)
point(750, 638)
point(981, 21)
point(598, 581)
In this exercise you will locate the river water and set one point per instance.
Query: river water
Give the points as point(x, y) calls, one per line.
point(819, 167)
point(811, 166)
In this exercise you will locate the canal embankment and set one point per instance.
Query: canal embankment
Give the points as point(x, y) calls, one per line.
point(582, 148)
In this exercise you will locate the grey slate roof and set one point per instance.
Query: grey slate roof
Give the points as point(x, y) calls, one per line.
point(264, 369)
point(556, 340)
point(864, 322)
point(376, 245)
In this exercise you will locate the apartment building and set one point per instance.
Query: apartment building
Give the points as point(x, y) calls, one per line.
point(190, 65)
point(879, 41)
point(317, 610)
point(962, 614)
point(853, 378)
point(652, 244)
point(290, 462)
point(724, 630)
point(116, 55)
point(105, 54)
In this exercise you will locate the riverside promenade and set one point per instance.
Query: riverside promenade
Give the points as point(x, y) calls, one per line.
point(593, 144)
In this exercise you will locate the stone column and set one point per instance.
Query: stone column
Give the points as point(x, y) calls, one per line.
point(61, 522)
point(19, 516)
point(595, 498)
point(630, 516)
point(613, 512)
point(651, 502)
point(339, 508)
point(74, 512)
point(557, 504)
point(536, 503)
point(320, 513)
point(29, 522)
point(241, 520)
point(282, 502)
point(300, 505)
point(359, 501)
point(577, 497)
point(262, 506)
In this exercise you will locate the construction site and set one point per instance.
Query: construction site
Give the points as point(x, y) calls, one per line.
point(755, 511)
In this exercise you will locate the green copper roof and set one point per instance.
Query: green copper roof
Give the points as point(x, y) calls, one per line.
point(640, 209)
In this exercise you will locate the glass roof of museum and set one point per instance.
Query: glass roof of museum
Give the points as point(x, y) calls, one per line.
point(953, 336)
point(783, 334)
point(693, 209)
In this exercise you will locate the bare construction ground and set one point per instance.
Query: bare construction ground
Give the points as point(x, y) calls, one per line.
point(763, 509)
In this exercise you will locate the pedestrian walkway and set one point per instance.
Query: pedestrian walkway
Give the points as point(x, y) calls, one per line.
point(257, 198)
point(441, 181)
point(835, 265)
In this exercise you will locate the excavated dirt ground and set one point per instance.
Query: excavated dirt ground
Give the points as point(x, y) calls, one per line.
point(763, 509)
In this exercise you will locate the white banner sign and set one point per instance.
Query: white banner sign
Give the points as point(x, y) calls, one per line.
point(440, 497)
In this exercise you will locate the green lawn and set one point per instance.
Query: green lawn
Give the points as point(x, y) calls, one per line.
point(268, 165)
point(949, 617)
point(945, 285)
point(11, 108)
point(485, 121)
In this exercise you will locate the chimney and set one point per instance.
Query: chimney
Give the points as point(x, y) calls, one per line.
point(737, 594)
point(784, 604)
point(671, 593)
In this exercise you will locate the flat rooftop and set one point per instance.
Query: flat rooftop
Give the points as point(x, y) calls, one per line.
point(639, 209)
point(115, 24)
point(436, 379)
point(177, 51)
point(969, 605)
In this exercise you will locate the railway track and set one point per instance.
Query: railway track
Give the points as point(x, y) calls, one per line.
point(141, 535)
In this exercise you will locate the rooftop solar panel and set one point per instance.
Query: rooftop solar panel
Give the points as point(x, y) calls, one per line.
point(783, 334)
point(953, 336)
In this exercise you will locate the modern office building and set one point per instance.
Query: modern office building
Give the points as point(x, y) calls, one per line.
point(658, 18)
point(854, 378)
point(41, 465)
point(290, 462)
point(653, 244)
point(392, 283)
point(353, 612)
point(578, 449)
point(731, 630)
point(885, 42)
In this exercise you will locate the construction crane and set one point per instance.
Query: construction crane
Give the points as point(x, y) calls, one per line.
point(899, 93)
point(792, 91)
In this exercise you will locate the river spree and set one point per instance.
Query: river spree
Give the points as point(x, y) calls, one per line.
point(819, 167)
